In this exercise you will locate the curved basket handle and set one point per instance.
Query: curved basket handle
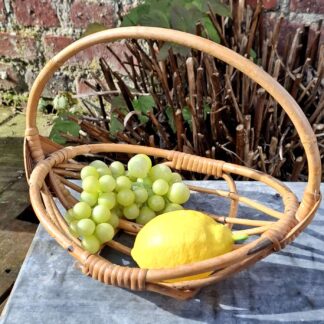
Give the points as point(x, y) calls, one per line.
point(305, 132)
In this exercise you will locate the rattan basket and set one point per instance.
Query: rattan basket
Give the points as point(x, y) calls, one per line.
point(48, 168)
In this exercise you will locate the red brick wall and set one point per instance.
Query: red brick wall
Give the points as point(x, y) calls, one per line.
point(32, 31)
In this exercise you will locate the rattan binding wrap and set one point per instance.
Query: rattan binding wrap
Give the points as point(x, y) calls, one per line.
point(49, 167)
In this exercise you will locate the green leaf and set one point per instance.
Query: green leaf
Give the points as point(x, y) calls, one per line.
point(133, 17)
point(179, 19)
point(57, 138)
point(161, 5)
point(118, 102)
point(212, 32)
point(61, 102)
point(143, 119)
point(115, 125)
point(169, 113)
point(198, 4)
point(164, 52)
point(181, 50)
point(65, 126)
point(253, 54)
point(144, 104)
point(183, 18)
point(93, 28)
point(154, 18)
point(177, 49)
point(186, 114)
point(218, 8)
point(207, 110)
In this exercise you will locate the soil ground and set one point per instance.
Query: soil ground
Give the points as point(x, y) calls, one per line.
point(17, 220)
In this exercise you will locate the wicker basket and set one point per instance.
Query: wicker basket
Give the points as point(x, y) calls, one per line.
point(49, 178)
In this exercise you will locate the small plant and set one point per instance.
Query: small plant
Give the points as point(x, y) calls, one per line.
point(64, 106)
point(12, 99)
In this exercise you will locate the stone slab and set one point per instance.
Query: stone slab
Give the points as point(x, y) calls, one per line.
point(287, 286)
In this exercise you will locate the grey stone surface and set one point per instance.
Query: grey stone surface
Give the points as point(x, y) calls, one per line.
point(285, 287)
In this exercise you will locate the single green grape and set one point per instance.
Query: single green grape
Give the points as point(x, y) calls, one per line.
point(114, 219)
point(107, 183)
point(102, 167)
point(147, 158)
point(98, 164)
point(160, 171)
point(141, 195)
point(90, 184)
point(139, 166)
point(160, 187)
point(117, 169)
point(107, 199)
point(86, 227)
point(89, 171)
point(104, 232)
point(125, 197)
point(172, 207)
point(91, 244)
point(73, 228)
point(89, 197)
point(178, 193)
point(101, 214)
point(156, 203)
point(145, 215)
point(131, 212)
point(175, 177)
point(122, 182)
point(81, 210)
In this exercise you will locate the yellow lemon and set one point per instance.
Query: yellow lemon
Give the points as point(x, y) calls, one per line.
point(180, 237)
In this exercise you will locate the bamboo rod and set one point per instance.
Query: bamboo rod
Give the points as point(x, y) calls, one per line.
point(246, 201)
point(70, 184)
point(253, 231)
point(239, 221)
point(119, 247)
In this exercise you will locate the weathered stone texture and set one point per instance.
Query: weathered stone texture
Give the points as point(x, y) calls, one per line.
point(35, 13)
point(84, 12)
point(17, 46)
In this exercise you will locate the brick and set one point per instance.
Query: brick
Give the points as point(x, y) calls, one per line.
point(35, 13)
point(83, 13)
point(80, 86)
point(9, 79)
point(54, 44)
point(3, 18)
point(17, 46)
point(307, 6)
point(267, 4)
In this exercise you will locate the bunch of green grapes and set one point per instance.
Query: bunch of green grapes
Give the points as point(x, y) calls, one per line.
point(110, 192)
